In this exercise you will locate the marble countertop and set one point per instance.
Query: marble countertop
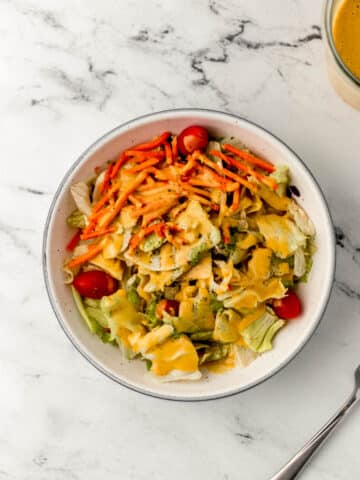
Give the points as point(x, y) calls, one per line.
point(72, 70)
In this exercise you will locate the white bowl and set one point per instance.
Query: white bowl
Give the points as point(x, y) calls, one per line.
point(290, 340)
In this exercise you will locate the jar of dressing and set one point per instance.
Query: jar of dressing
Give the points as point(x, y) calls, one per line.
point(341, 36)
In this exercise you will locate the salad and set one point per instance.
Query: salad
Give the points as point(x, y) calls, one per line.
point(187, 253)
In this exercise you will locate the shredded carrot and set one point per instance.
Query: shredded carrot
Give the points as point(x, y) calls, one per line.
point(259, 162)
point(135, 201)
point(99, 214)
point(139, 156)
point(98, 233)
point(104, 199)
point(231, 187)
point(202, 183)
point(75, 239)
point(96, 219)
point(199, 191)
point(143, 165)
point(188, 168)
point(168, 153)
point(157, 190)
point(156, 142)
point(118, 164)
point(270, 182)
point(174, 147)
point(156, 214)
point(91, 253)
point(136, 239)
point(235, 200)
point(226, 233)
point(167, 173)
point(149, 181)
point(151, 185)
point(203, 158)
point(120, 202)
point(174, 212)
point(155, 205)
point(204, 201)
point(214, 175)
point(106, 182)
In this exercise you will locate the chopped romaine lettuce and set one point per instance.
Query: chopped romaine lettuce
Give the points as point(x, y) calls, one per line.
point(213, 145)
point(258, 336)
point(197, 253)
point(301, 219)
point(281, 234)
point(226, 330)
point(152, 242)
point(81, 195)
point(201, 336)
point(215, 304)
point(120, 313)
point(214, 352)
point(266, 344)
point(96, 323)
point(76, 219)
point(281, 176)
point(134, 297)
point(80, 306)
point(150, 312)
point(96, 314)
point(299, 263)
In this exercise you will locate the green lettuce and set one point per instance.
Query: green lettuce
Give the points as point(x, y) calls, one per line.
point(152, 242)
point(93, 317)
point(214, 352)
point(203, 336)
point(76, 219)
point(259, 335)
point(281, 176)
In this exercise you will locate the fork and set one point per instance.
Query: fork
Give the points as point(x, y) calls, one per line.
point(291, 470)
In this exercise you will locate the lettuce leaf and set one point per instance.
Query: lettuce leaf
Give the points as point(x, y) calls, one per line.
point(214, 352)
point(226, 323)
point(269, 335)
point(152, 242)
point(281, 176)
point(120, 313)
point(299, 263)
point(259, 335)
point(76, 219)
point(81, 194)
point(281, 234)
point(301, 219)
point(91, 320)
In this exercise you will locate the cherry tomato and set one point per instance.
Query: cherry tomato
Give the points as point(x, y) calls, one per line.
point(169, 306)
point(193, 138)
point(95, 284)
point(288, 307)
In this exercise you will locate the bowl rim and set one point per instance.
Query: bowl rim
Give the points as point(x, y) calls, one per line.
point(98, 143)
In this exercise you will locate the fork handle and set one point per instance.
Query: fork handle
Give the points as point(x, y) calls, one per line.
point(291, 470)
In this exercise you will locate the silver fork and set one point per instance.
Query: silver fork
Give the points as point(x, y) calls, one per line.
point(291, 470)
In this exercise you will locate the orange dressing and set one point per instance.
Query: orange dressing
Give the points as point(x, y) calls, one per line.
point(346, 33)
point(174, 354)
point(222, 366)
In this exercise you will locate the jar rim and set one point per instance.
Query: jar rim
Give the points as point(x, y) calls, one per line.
point(328, 14)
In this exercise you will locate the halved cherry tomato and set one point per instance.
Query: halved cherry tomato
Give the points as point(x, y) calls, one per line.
point(288, 307)
point(95, 284)
point(169, 306)
point(193, 138)
point(74, 241)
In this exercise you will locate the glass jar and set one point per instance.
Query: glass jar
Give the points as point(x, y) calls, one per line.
point(346, 84)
